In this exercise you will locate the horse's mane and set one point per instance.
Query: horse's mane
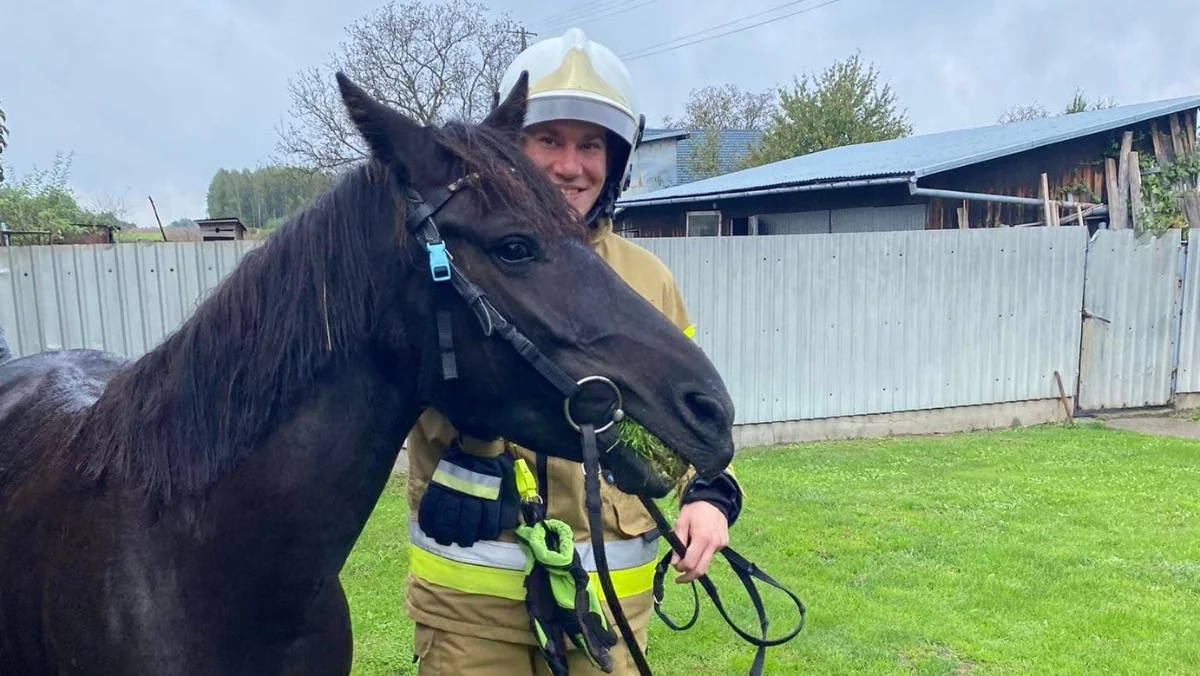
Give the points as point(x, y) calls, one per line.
point(301, 302)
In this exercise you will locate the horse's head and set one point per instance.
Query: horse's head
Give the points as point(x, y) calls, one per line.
point(511, 234)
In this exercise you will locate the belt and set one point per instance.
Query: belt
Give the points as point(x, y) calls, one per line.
point(497, 568)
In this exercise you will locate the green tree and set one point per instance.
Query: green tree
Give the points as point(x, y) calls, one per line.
point(1079, 103)
point(843, 105)
point(264, 197)
point(43, 201)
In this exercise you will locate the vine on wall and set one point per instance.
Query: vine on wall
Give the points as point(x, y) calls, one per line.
point(1163, 189)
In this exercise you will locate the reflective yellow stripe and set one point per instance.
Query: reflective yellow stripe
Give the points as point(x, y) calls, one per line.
point(467, 486)
point(627, 582)
point(466, 577)
point(510, 584)
point(690, 331)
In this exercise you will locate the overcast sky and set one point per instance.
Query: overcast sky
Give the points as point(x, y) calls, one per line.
point(153, 97)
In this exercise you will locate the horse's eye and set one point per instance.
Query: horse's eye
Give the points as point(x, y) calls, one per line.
point(515, 250)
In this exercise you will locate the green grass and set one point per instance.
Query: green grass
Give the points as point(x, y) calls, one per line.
point(1034, 551)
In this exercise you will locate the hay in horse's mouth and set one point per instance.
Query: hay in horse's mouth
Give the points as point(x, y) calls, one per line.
point(667, 464)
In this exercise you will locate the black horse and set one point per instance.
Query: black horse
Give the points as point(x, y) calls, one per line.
point(189, 513)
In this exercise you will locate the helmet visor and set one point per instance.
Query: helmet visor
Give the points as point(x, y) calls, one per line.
point(552, 107)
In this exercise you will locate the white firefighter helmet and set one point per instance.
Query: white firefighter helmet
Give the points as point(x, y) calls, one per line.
point(574, 78)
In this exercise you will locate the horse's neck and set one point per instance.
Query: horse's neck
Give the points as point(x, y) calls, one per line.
point(296, 505)
point(287, 322)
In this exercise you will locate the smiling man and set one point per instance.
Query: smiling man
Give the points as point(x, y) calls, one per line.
point(466, 590)
point(574, 155)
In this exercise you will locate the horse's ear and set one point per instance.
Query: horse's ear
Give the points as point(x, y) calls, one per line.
point(390, 135)
point(509, 116)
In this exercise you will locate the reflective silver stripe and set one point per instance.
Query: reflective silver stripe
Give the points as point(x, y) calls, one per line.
point(622, 554)
point(489, 553)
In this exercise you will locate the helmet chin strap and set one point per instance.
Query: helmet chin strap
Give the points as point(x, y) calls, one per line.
point(617, 181)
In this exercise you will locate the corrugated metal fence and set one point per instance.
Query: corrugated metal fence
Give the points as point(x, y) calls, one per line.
point(802, 326)
point(1189, 338)
point(807, 327)
point(124, 298)
point(1131, 311)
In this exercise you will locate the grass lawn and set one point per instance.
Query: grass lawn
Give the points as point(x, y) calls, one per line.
point(1031, 551)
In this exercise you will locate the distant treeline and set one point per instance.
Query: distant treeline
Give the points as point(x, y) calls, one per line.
point(263, 198)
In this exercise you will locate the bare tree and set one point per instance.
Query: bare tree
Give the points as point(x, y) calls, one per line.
point(725, 107)
point(110, 203)
point(1022, 113)
point(432, 61)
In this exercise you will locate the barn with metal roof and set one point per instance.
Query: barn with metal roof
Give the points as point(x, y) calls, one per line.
point(1055, 169)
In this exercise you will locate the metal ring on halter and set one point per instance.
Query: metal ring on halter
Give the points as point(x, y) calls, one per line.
point(618, 414)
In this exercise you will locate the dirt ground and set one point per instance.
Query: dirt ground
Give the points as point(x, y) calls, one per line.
point(1172, 425)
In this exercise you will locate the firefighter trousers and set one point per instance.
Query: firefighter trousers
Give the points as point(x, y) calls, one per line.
point(442, 653)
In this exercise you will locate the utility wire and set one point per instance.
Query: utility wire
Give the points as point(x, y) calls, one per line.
point(588, 19)
point(579, 10)
point(722, 25)
point(572, 10)
point(651, 51)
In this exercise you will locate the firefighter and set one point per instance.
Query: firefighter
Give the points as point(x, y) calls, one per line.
point(465, 589)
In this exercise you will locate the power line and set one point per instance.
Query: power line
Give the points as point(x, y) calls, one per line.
point(723, 25)
point(579, 10)
point(618, 10)
point(642, 53)
point(574, 10)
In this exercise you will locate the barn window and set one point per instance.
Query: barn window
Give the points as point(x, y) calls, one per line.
point(703, 223)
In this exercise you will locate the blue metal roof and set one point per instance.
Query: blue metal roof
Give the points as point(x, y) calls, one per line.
point(916, 156)
point(732, 146)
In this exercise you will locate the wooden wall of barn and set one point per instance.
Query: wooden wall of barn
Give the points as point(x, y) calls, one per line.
point(1074, 169)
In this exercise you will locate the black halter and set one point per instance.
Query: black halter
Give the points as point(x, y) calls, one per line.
point(420, 223)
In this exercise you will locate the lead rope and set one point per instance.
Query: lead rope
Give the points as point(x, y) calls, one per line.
point(591, 478)
point(746, 572)
point(742, 567)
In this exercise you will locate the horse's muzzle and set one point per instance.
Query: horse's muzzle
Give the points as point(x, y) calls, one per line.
point(710, 418)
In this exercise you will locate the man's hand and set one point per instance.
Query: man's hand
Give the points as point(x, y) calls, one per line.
point(703, 529)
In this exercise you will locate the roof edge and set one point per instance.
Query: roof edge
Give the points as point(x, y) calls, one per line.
point(1178, 105)
point(780, 189)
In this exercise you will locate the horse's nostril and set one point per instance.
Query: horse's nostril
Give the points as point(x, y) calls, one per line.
point(704, 409)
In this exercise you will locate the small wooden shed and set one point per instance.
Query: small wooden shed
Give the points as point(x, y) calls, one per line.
point(221, 229)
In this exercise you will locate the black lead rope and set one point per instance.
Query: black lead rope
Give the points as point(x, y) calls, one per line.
point(746, 571)
point(420, 223)
point(591, 479)
point(742, 567)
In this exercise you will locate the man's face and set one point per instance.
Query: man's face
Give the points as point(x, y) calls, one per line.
point(574, 155)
